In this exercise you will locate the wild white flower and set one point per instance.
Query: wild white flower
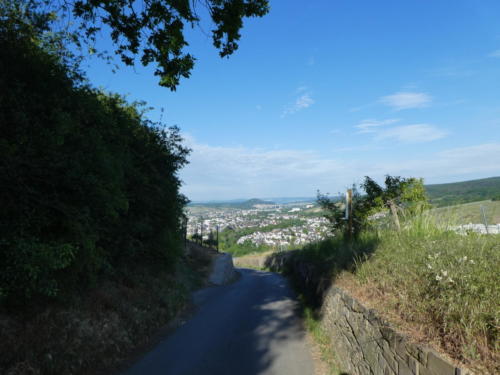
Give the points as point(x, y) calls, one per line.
point(450, 280)
point(429, 266)
point(445, 273)
point(438, 278)
point(472, 261)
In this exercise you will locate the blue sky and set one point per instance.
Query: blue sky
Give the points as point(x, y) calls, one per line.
point(321, 93)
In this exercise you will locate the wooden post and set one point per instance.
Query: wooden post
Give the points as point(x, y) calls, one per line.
point(485, 222)
point(394, 211)
point(349, 213)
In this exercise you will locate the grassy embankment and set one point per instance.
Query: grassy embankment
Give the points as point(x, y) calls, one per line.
point(468, 213)
point(102, 329)
point(439, 287)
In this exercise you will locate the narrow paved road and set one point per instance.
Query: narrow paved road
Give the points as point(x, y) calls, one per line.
point(250, 327)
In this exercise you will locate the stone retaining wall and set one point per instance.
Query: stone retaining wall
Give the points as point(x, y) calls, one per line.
point(365, 344)
point(223, 271)
point(256, 262)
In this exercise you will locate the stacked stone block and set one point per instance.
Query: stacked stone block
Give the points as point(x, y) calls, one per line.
point(365, 344)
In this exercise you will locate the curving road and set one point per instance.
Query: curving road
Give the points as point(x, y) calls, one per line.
point(249, 327)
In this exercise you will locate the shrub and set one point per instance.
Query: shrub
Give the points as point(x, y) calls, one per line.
point(88, 183)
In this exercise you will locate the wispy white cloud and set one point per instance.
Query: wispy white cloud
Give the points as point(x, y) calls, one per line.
point(452, 72)
point(406, 100)
point(233, 172)
point(258, 107)
point(371, 125)
point(473, 161)
point(412, 133)
point(230, 172)
point(495, 53)
point(305, 100)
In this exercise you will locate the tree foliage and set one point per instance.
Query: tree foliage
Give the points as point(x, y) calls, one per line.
point(404, 193)
point(152, 31)
point(398, 194)
point(87, 182)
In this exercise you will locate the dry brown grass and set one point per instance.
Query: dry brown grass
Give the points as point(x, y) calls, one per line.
point(96, 332)
point(415, 330)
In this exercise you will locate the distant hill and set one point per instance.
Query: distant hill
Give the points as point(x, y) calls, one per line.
point(252, 202)
point(463, 192)
point(243, 205)
point(287, 200)
point(238, 202)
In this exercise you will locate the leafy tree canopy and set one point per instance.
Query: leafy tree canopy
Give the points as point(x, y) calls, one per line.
point(407, 193)
point(398, 194)
point(151, 30)
point(89, 185)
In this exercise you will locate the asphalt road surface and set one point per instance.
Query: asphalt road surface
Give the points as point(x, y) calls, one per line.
point(249, 327)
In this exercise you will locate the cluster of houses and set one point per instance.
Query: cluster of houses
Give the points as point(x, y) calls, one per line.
point(477, 228)
point(314, 229)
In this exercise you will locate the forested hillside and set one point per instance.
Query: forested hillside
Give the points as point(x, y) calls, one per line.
point(463, 192)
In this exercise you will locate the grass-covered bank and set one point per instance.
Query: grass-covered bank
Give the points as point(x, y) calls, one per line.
point(439, 287)
point(445, 286)
point(96, 332)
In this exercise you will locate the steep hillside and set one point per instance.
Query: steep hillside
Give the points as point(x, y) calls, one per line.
point(471, 212)
point(464, 192)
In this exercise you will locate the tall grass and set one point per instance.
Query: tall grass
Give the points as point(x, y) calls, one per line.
point(445, 282)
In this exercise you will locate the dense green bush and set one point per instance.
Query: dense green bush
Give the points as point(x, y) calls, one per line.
point(87, 183)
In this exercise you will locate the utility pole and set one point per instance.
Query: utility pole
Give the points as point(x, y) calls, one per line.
point(185, 224)
point(201, 230)
point(217, 229)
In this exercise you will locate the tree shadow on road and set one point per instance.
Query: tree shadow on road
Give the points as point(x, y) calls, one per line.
point(252, 327)
point(270, 338)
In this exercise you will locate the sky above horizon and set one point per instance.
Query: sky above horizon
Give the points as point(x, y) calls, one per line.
point(321, 93)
